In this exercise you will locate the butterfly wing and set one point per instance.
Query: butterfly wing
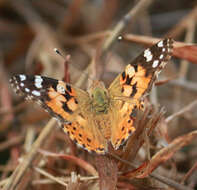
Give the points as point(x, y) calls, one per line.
point(70, 105)
point(133, 83)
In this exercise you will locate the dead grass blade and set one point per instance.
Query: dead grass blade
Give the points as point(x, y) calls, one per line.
point(83, 164)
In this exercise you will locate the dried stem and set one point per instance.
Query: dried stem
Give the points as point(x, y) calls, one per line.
point(181, 111)
point(48, 175)
point(130, 16)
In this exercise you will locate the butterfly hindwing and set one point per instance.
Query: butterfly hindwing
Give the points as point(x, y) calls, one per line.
point(85, 136)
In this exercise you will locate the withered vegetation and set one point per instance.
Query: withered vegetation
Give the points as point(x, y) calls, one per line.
point(36, 154)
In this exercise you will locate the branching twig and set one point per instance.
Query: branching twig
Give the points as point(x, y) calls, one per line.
point(48, 175)
point(169, 182)
point(183, 110)
point(130, 16)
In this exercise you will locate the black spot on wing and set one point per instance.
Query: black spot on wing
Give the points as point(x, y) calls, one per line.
point(135, 67)
point(122, 141)
point(133, 114)
point(123, 75)
point(74, 128)
point(134, 90)
point(128, 80)
point(68, 87)
point(66, 108)
point(130, 131)
point(53, 83)
point(67, 96)
point(100, 149)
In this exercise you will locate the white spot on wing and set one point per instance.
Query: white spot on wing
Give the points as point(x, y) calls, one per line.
point(22, 77)
point(22, 84)
point(37, 77)
point(148, 55)
point(147, 52)
point(38, 81)
point(27, 90)
point(161, 56)
point(36, 93)
point(38, 85)
point(130, 71)
point(155, 63)
point(61, 89)
point(160, 44)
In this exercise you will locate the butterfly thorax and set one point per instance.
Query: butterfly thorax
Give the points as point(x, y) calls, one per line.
point(99, 98)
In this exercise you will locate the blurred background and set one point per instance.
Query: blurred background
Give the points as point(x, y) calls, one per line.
point(30, 30)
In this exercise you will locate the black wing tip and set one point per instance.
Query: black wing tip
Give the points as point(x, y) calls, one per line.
point(167, 42)
point(14, 84)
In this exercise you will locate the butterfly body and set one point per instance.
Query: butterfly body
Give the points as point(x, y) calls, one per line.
point(102, 115)
point(100, 99)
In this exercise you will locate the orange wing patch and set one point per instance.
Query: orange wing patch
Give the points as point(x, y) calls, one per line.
point(123, 127)
point(84, 138)
point(134, 86)
point(61, 101)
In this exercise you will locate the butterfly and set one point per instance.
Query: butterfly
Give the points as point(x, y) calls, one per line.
point(102, 115)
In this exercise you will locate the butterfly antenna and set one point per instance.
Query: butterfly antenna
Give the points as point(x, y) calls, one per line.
point(57, 51)
point(66, 61)
point(120, 38)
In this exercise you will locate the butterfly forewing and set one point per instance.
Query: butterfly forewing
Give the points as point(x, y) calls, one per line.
point(55, 96)
point(134, 82)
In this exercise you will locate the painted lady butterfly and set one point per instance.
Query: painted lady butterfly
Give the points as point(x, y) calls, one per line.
point(95, 118)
